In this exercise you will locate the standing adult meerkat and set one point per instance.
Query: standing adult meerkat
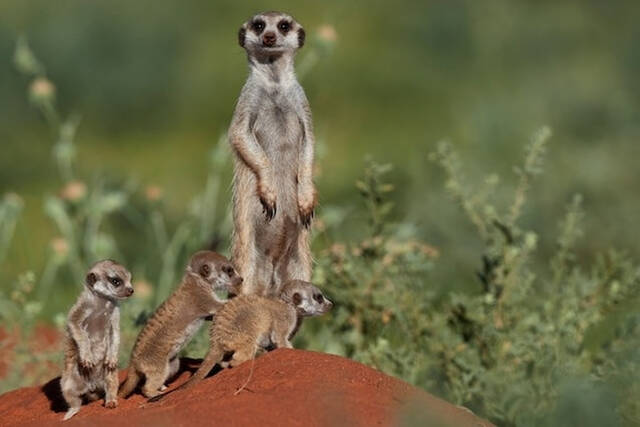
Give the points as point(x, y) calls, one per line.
point(249, 323)
point(92, 337)
point(271, 134)
point(173, 324)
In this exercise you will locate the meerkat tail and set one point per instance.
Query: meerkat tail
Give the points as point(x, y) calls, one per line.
point(214, 356)
point(133, 378)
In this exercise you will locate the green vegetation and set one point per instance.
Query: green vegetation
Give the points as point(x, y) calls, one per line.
point(498, 292)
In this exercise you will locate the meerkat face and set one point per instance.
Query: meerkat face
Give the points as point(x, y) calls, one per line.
point(216, 270)
point(227, 279)
point(110, 280)
point(271, 33)
point(306, 298)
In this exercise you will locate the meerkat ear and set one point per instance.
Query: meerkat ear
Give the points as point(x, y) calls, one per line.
point(301, 37)
point(242, 34)
point(296, 298)
point(91, 279)
point(204, 270)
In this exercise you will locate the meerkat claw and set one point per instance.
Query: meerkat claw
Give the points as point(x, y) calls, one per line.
point(268, 210)
point(306, 217)
point(85, 367)
point(111, 366)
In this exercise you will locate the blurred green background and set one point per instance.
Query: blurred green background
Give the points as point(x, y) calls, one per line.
point(155, 83)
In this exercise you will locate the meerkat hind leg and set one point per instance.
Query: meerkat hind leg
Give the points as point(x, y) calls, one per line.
point(281, 340)
point(155, 380)
point(72, 396)
point(71, 412)
point(244, 256)
point(111, 389)
point(297, 263)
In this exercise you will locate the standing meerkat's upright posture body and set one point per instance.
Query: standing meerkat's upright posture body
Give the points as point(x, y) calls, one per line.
point(272, 135)
point(92, 337)
point(249, 323)
point(173, 324)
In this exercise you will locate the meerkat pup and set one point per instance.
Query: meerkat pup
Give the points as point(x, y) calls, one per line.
point(173, 324)
point(92, 337)
point(271, 134)
point(249, 323)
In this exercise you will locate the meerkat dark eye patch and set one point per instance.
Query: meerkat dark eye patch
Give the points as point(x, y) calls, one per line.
point(258, 26)
point(205, 270)
point(284, 26)
point(301, 37)
point(116, 281)
point(91, 279)
point(296, 298)
point(319, 298)
point(228, 270)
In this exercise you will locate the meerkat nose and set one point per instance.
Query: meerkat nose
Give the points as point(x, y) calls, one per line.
point(129, 292)
point(269, 38)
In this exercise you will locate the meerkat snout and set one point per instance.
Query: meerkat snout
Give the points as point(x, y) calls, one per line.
point(269, 39)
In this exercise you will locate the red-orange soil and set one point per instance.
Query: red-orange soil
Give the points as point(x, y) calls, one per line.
point(43, 339)
point(286, 388)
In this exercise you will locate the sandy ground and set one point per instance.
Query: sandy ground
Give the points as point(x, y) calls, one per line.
point(286, 388)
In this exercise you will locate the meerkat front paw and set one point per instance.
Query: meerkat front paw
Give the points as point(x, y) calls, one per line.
point(86, 365)
point(306, 206)
point(111, 365)
point(268, 200)
point(112, 404)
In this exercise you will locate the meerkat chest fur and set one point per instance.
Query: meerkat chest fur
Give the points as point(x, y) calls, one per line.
point(276, 121)
point(98, 327)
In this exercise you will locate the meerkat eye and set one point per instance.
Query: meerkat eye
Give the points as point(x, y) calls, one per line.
point(319, 298)
point(115, 281)
point(258, 26)
point(284, 26)
point(205, 270)
point(228, 270)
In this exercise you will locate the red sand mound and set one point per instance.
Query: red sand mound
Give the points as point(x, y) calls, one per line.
point(287, 388)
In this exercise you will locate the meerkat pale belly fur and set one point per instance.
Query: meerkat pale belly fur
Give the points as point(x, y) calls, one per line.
point(250, 323)
point(92, 337)
point(173, 324)
point(271, 134)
